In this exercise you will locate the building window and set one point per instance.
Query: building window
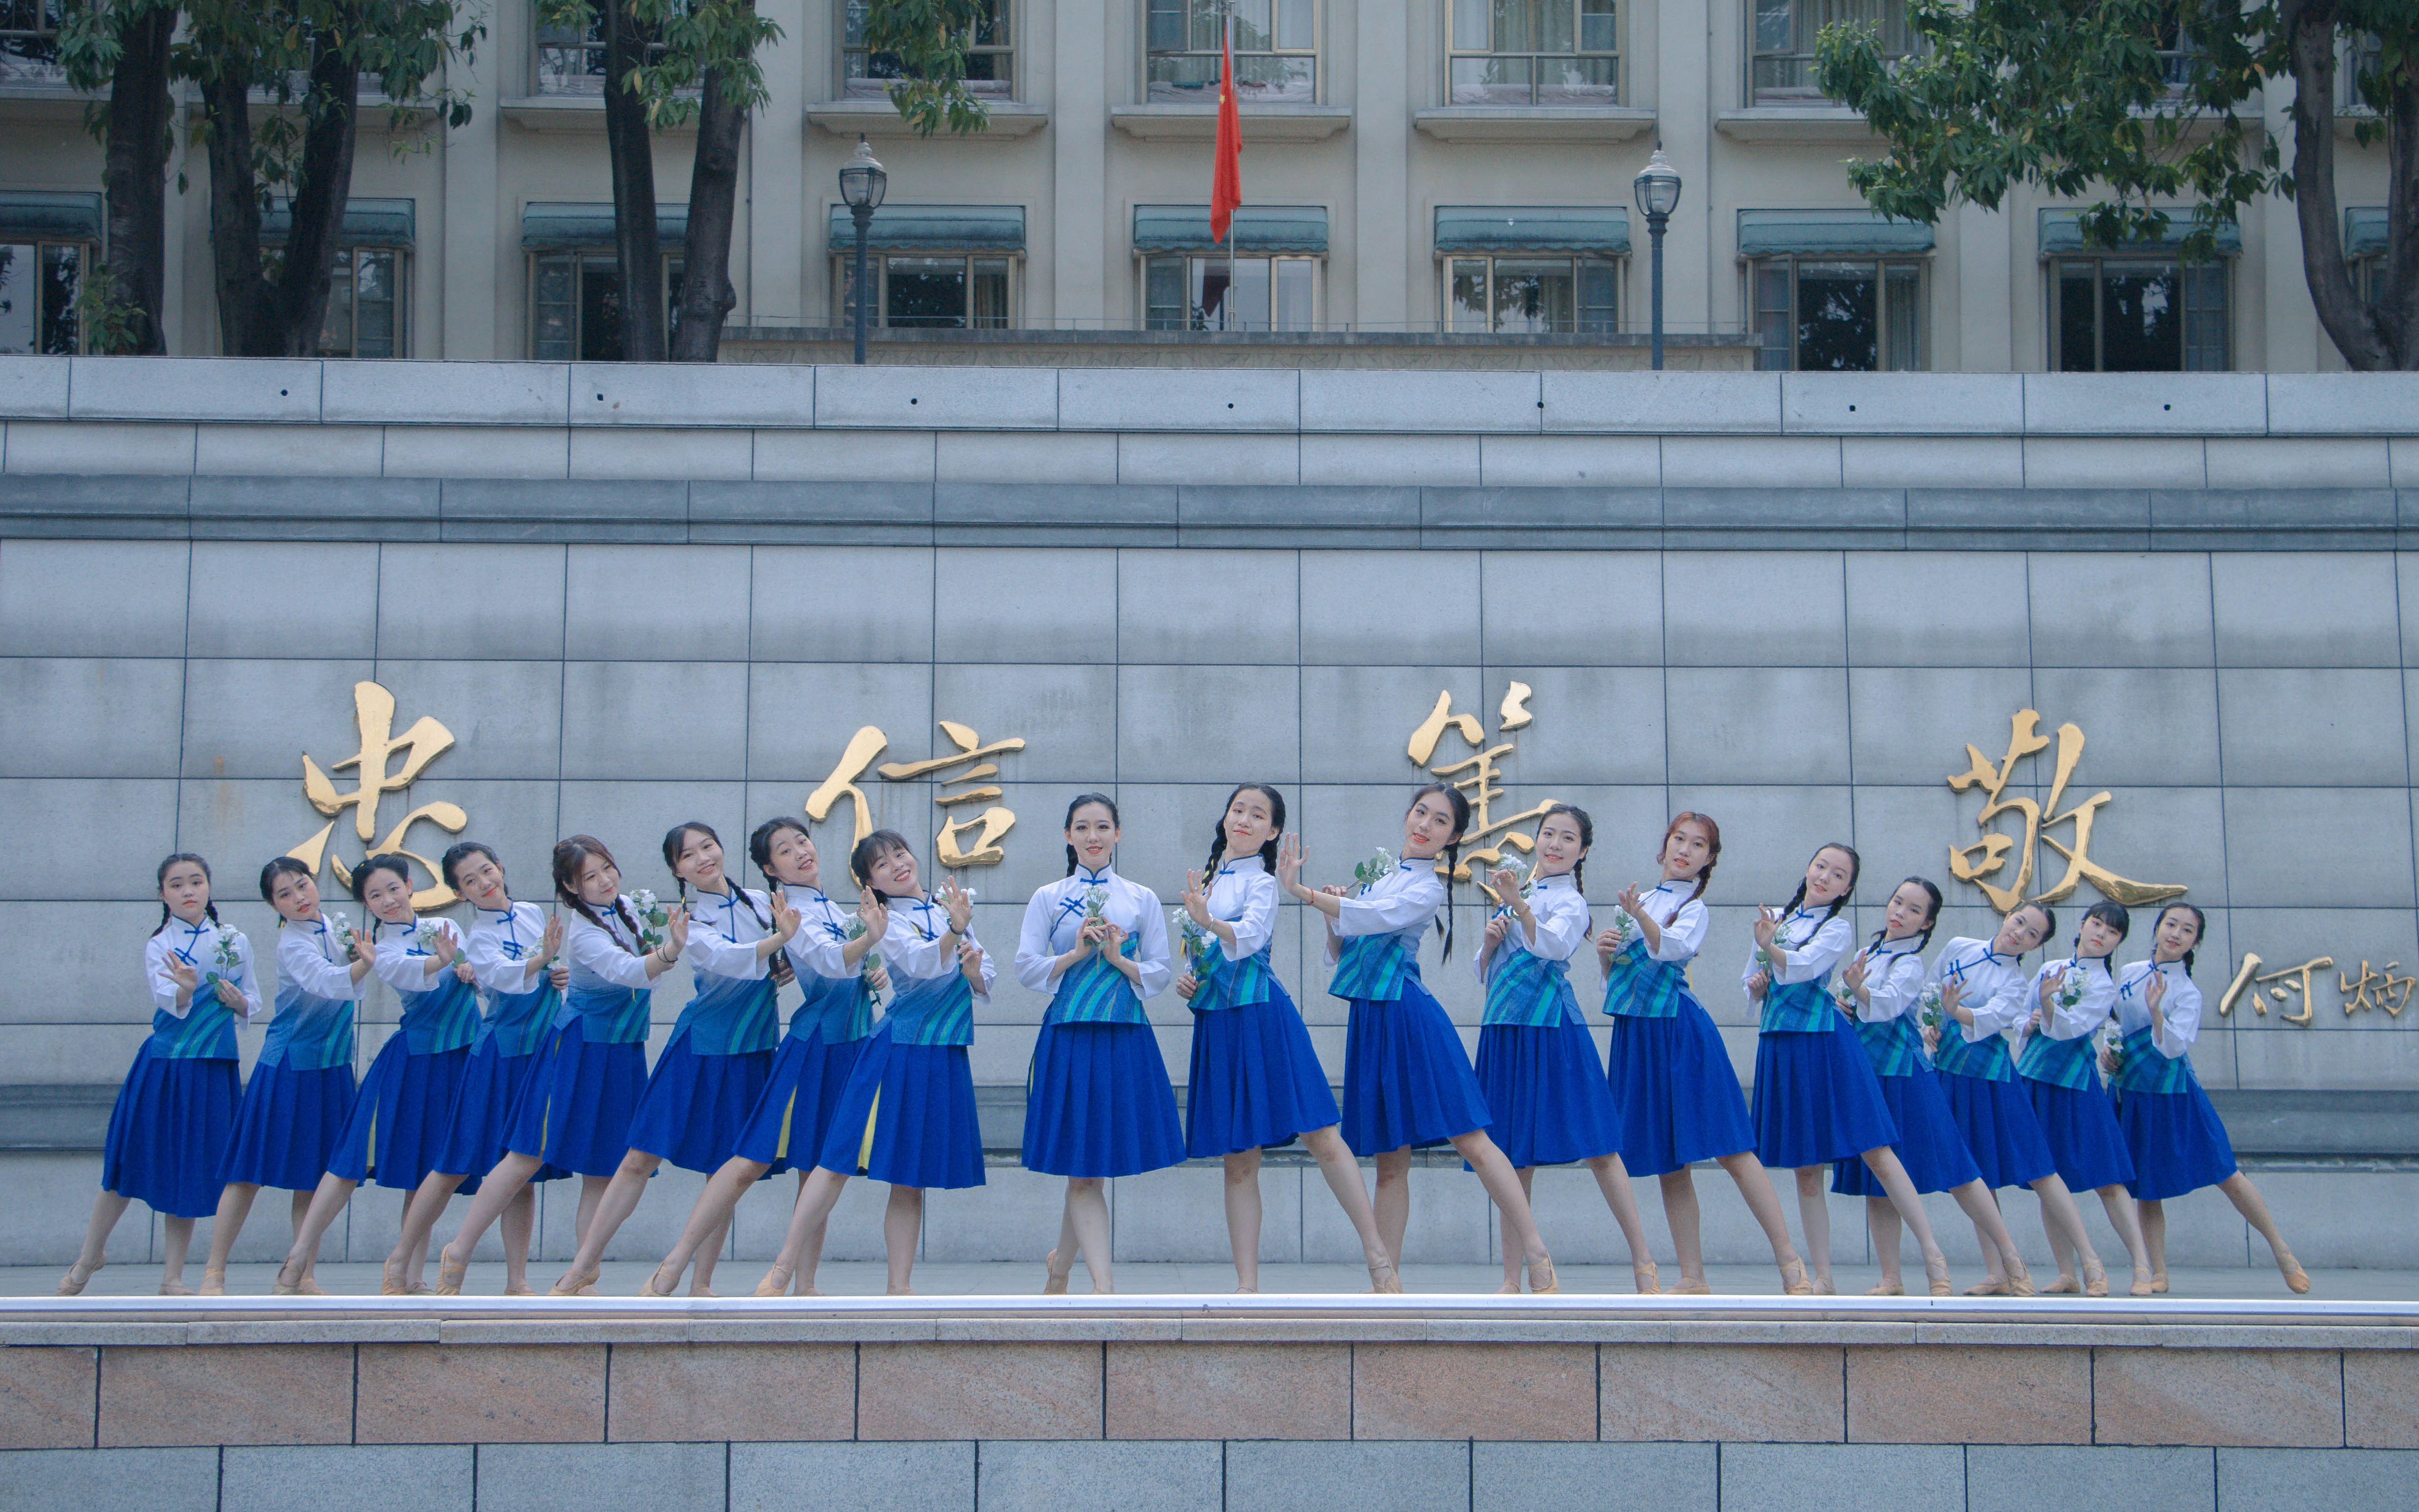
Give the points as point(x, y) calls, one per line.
point(1264, 294)
point(1536, 295)
point(571, 58)
point(366, 304)
point(40, 284)
point(1783, 69)
point(991, 63)
point(1276, 49)
point(29, 42)
point(1838, 316)
point(2138, 315)
point(927, 292)
point(1535, 52)
point(575, 305)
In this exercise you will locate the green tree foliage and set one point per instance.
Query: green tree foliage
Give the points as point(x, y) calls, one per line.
point(931, 40)
point(122, 46)
point(2129, 103)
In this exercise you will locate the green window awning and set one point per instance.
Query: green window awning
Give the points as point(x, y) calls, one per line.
point(1259, 229)
point(932, 228)
point(38, 214)
point(2061, 233)
point(2365, 231)
point(555, 226)
point(368, 223)
point(1583, 229)
point(1829, 232)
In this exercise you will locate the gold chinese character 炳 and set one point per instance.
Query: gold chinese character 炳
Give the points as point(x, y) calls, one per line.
point(1477, 775)
point(426, 740)
point(2026, 739)
point(2376, 989)
point(989, 826)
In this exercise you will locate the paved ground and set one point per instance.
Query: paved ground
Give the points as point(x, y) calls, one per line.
point(859, 1278)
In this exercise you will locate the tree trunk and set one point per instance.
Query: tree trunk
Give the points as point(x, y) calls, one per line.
point(631, 149)
point(315, 216)
point(235, 212)
point(2397, 305)
point(2366, 335)
point(706, 297)
point(140, 120)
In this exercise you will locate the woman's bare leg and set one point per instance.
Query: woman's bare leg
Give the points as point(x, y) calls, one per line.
point(1343, 1173)
point(235, 1206)
point(320, 1211)
point(816, 1195)
point(1815, 1215)
point(2152, 1215)
point(1243, 1217)
point(711, 1216)
point(1891, 1172)
point(1681, 1215)
point(2063, 1222)
point(107, 1207)
point(176, 1241)
point(2001, 1265)
point(1512, 1203)
point(1881, 1222)
point(521, 1225)
point(702, 1280)
point(1612, 1181)
point(2254, 1208)
point(903, 1228)
point(420, 1216)
point(497, 1189)
point(592, 1195)
point(1392, 1206)
point(1088, 1218)
point(1511, 1286)
point(1755, 1185)
point(620, 1200)
point(2119, 1203)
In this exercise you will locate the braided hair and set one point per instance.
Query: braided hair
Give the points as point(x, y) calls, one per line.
point(212, 909)
point(1084, 800)
point(1856, 864)
point(388, 861)
point(268, 875)
point(1713, 853)
point(1218, 830)
point(2200, 928)
point(759, 846)
point(569, 857)
point(1587, 838)
point(1459, 803)
point(449, 866)
point(1930, 917)
point(676, 840)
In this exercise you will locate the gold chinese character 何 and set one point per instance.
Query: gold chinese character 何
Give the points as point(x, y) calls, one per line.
point(2025, 739)
point(989, 828)
point(1477, 775)
point(426, 740)
point(2293, 985)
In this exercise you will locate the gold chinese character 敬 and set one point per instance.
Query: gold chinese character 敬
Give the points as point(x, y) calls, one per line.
point(989, 826)
point(1477, 775)
point(426, 740)
point(2025, 739)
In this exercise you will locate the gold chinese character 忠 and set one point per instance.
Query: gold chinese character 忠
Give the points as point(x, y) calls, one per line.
point(989, 826)
point(2025, 739)
point(426, 740)
point(1477, 775)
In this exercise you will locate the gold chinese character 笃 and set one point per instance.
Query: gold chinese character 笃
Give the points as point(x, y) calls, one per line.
point(1990, 854)
point(426, 740)
point(1477, 775)
point(2376, 989)
point(2293, 985)
point(989, 828)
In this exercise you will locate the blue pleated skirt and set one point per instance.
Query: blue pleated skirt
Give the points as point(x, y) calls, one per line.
point(169, 1133)
point(1551, 1101)
point(1817, 1099)
point(793, 1113)
point(1407, 1080)
point(907, 1117)
point(396, 1130)
point(288, 1126)
point(1680, 1101)
point(2083, 1139)
point(2176, 1141)
point(695, 1105)
point(1928, 1145)
point(1098, 1102)
point(492, 1088)
point(1256, 1082)
point(2002, 1133)
point(573, 1111)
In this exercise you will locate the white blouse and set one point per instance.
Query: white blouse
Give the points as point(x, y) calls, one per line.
point(1402, 903)
point(198, 945)
point(1812, 947)
point(1245, 897)
point(500, 971)
point(1990, 986)
point(1682, 918)
point(723, 929)
point(2180, 1007)
point(604, 957)
point(910, 947)
point(309, 957)
point(1562, 914)
point(397, 966)
point(823, 933)
point(2090, 1011)
point(1893, 979)
point(1054, 916)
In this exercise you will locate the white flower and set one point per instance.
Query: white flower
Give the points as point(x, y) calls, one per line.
point(1375, 870)
point(1927, 1007)
point(1096, 899)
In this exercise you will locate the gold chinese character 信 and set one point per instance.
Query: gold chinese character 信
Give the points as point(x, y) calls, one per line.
point(1989, 856)
point(1477, 775)
point(426, 740)
point(989, 826)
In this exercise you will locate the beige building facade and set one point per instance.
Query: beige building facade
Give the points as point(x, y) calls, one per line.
point(1420, 176)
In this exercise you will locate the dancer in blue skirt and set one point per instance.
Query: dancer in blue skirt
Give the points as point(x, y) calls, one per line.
point(302, 1087)
point(1255, 1080)
point(574, 1110)
point(1983, 995)
point(2177, 1140)
point(400, 1120)
point(514, 954)
point(1406, 1079)
point(1882, 991)
point(1680, 1101)
point(176, 1110)
point(1816, 1097)
point(833, 958)
point(2054, 1056)
point(1098, 1102)
point(720, 1054)
point(1536, 1061)
point(907, 1115)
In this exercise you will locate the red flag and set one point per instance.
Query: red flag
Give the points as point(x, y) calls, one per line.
point(1227, 178)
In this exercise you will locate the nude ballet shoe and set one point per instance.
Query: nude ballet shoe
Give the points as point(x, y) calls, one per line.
point(1554, 1284)
point(175, 1288)
point(777, 1281)
point(2143, 1285)
point(2019, 1281)
point(2095, 1281)
point(77, 1278)
point(451, 1273)
point(1936, 1277)
point(1649, 1279)
point(2158, 1282)
point(519, 1290)
point(1691, 1288)
point(1801, 1287)
point(2065, 1286)
point(214, 1282)
point(2297, 1280)
point(1384, 1280)
point(1987, 1288)
point(651, 1289)
point(574, 1283)
point(279, 1287)
point(1509, 1288)
point(1054, 1280)
point(392, 1284)
point(1888, 1289)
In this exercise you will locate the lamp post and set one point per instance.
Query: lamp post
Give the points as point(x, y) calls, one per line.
point(862, 184)
point(1657, 187)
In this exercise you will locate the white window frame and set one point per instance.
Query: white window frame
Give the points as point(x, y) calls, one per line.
point(1244, 56)
point(1317, 262)
point(1883, 265)
point(1455, 55)
point(867, 87)
point(2054, 304)
point(877, 264)
point(1801, 49)
point(1447, 270)
point(89, 262)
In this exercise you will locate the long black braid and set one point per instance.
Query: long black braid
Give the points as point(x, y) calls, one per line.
point(569, 856)
point(1460, 804)
point(1218, 830)
point(1856, 864)
point(1931, 919)
point(676, 839)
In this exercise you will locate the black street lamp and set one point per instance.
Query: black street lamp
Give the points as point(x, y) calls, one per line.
point(862, 184)
point(1657, 187)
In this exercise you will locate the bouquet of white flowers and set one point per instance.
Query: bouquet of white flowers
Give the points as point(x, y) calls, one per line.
point(872, 962)
point(1624, 930)
point(1199, 945)
point(1371, 872)
point(229, 959)
point(1524, 885)
point(1096, 902)
point(347, 940)
point(2069, 986)
point(428, 934)
point(2112, 1044)
point(1927, 1007)
point(655, 920)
